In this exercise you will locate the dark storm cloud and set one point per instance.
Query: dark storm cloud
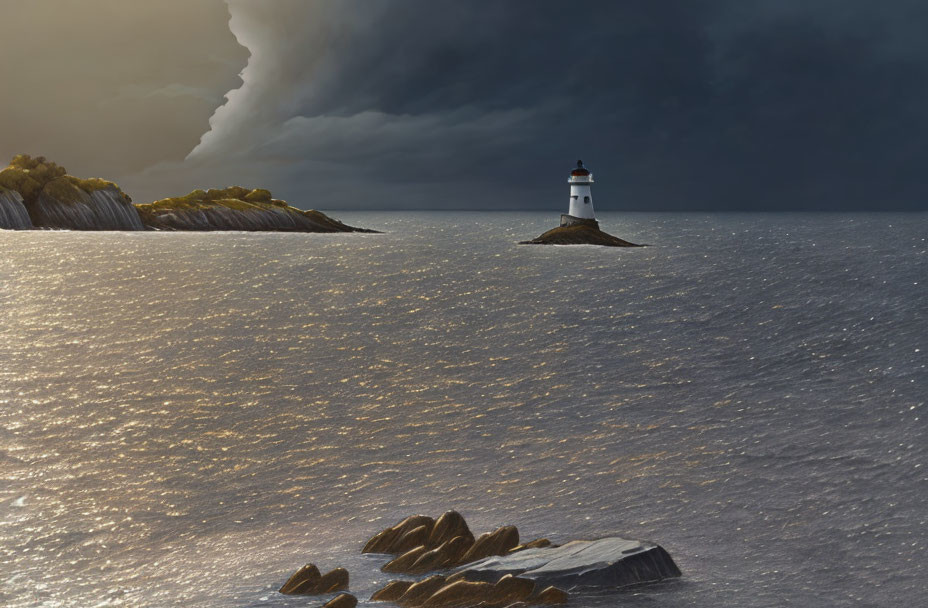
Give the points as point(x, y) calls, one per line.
point(107, 87)
point(678, 104)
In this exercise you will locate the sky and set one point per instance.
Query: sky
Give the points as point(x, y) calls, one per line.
point(677, 105)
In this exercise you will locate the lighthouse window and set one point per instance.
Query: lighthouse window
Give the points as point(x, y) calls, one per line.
point(575, 197)
point(586, 200)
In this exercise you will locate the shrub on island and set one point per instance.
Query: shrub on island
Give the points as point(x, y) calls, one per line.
point(54, 199)
point(30, 176)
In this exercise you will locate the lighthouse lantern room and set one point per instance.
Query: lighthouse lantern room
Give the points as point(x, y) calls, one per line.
point(580, 210)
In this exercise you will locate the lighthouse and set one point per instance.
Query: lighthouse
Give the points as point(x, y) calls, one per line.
point(580, 210)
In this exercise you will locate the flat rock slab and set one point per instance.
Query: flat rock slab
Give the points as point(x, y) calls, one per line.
point(607, 562)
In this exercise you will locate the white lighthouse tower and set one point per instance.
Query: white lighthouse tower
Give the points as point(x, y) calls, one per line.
point(580, 210)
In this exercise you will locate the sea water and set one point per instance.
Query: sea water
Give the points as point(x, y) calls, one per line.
point(187, 418)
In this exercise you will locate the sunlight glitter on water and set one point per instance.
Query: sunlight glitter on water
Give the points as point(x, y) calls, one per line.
point(188, 418)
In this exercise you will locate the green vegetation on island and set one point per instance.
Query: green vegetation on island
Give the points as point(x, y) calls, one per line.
point(50, 198)
point(235, 208)
point(38, 193)
point(579, 234)
point(32, 176)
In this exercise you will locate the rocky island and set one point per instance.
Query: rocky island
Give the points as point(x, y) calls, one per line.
point(579, 225)
point(579, 234)
point(37, 193)
point(236, 208)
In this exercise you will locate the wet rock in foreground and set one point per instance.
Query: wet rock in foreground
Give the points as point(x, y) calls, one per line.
point(607, 562)
point(453, 592)
point(342, 600)
point(309, 581)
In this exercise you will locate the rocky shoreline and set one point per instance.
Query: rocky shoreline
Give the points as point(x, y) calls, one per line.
point(36, 193)
point(493, 570)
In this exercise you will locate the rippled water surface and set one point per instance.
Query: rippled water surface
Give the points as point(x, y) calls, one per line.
point(185, 419)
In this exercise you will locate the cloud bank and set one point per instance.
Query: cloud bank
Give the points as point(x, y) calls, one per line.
point(677, 105)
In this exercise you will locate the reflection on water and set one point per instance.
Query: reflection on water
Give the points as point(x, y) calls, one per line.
point(187, 418)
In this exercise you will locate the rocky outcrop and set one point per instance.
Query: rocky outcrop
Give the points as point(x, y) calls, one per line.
point(499, 542)
point(13, 214)
point(387, 541)
point(456, 592)
point(514, 574)
point(579, 234)
point(309, 581)
point(551, 595)
point(342, 600)
point(608, 562)
point(393, 591)
point(54, 199)
point(235, 208)
point(423, 544)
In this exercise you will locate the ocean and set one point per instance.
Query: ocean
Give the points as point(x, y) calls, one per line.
point(187, 418)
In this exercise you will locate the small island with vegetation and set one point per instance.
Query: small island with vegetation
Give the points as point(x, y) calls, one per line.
point(36, 193)
point(575, 231)
point(579, 226)
point(236, 208)
point(579, 235)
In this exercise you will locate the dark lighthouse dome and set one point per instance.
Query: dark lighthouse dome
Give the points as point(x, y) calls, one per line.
point(580, 171)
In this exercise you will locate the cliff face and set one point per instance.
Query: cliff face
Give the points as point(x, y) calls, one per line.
point(54, 199)
point(63, 205)
point(13, 214)
point(235, 208)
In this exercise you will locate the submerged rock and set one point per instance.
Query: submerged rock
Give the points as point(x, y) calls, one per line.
point(235, 208)
point(579, 234)
point(308, 581)
point(13, 214)
point(342, 600)
point(54, 199)
point(608, 562)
